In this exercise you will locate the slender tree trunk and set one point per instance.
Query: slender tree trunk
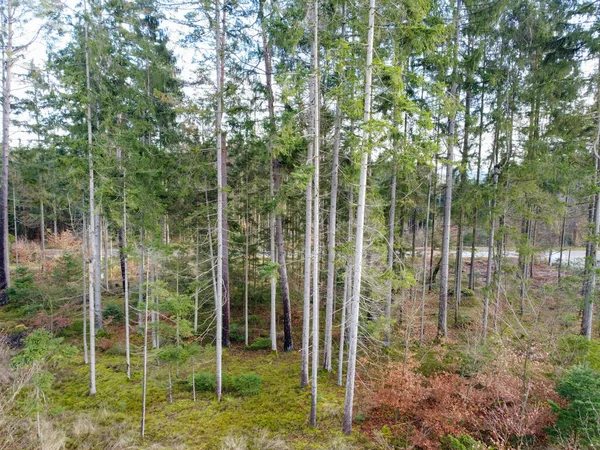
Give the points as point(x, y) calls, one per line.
point(98, 275)
point(145, 366)
point(7, 95)
point(84, 292)
point(219, 117)
point(390, 258)
point(360, 224)
point(225, 301)
point(15, 221)
point(196, 279)
point(443, 309)
point(488, 274)
point(331, 237)
point(316, 215)
point(95, 302)
point(347, 291)
point(307, 271)
point(435, 175)
point(141, 279)
point(126, 287)
point(424, 269)
point(562, 240)
point(246, 265)
point(478, 179)
point(42, 234)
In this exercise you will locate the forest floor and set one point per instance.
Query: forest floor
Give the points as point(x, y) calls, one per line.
point(276, 417)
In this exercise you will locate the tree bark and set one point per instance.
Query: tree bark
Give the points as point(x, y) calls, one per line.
point(360, 224)
point(6, 110)
point(316, 215)
point(220, 212)
point(443, 308)
point(390, 258)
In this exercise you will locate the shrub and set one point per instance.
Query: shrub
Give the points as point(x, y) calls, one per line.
point(236, 333)
point(579, 422)
point(246, 384)
point(260, 344)
point(204, 381)
point(114, 311)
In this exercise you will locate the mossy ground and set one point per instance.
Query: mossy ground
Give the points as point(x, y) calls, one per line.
point(280, 410)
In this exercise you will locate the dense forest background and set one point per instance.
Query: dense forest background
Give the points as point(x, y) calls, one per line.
point(300, 224)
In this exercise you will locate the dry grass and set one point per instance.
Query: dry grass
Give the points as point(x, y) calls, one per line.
point(66, 240)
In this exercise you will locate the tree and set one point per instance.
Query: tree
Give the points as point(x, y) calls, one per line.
point(360, 222)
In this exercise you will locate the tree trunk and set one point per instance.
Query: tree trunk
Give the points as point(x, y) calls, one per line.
point(7, 95)
point(390, 259)
point(220, 212)
point(424, 275)
point(360, 224)
point(126, 286)
point(347, 290)
point(443, 308)
point(478, 179)
point(84, 292)
point(488, 273)
point(331, 237)
point(316, 216)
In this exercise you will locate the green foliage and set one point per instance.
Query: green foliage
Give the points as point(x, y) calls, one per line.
point(24, 288)
point(114, 311)
point(260, 343)
point(579, 421)
point(39, 347)
point(204, 382)
point(236, 333)
point(577, 350)
point(246, 384)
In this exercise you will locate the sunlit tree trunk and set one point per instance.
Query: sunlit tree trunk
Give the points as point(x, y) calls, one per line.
point(390, 257)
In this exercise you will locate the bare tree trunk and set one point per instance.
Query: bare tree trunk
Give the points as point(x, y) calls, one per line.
point(360, 224)
point(331, 238)
point(435, 178)
point(246, 265)
point(476, 212)
point(7, 95)
point(145, 366)
point(84, 292)
point(424, 268)
point(443, 309)
point(42, 234)
point(126, 287)
point(219, 117)
point(390, 258)
point(95, 302)
point(347, 290)
point(15, 221)
point(562, 241)
point(316, 216)
point(307, 271)
point(141, 279)
point(488, 274)
point(196, 278)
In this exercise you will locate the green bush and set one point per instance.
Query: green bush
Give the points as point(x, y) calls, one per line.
point(579, 422)
point(260, 344)
point(246, 384)
point(236, 333)
point(205, 382)
point(114, 311)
